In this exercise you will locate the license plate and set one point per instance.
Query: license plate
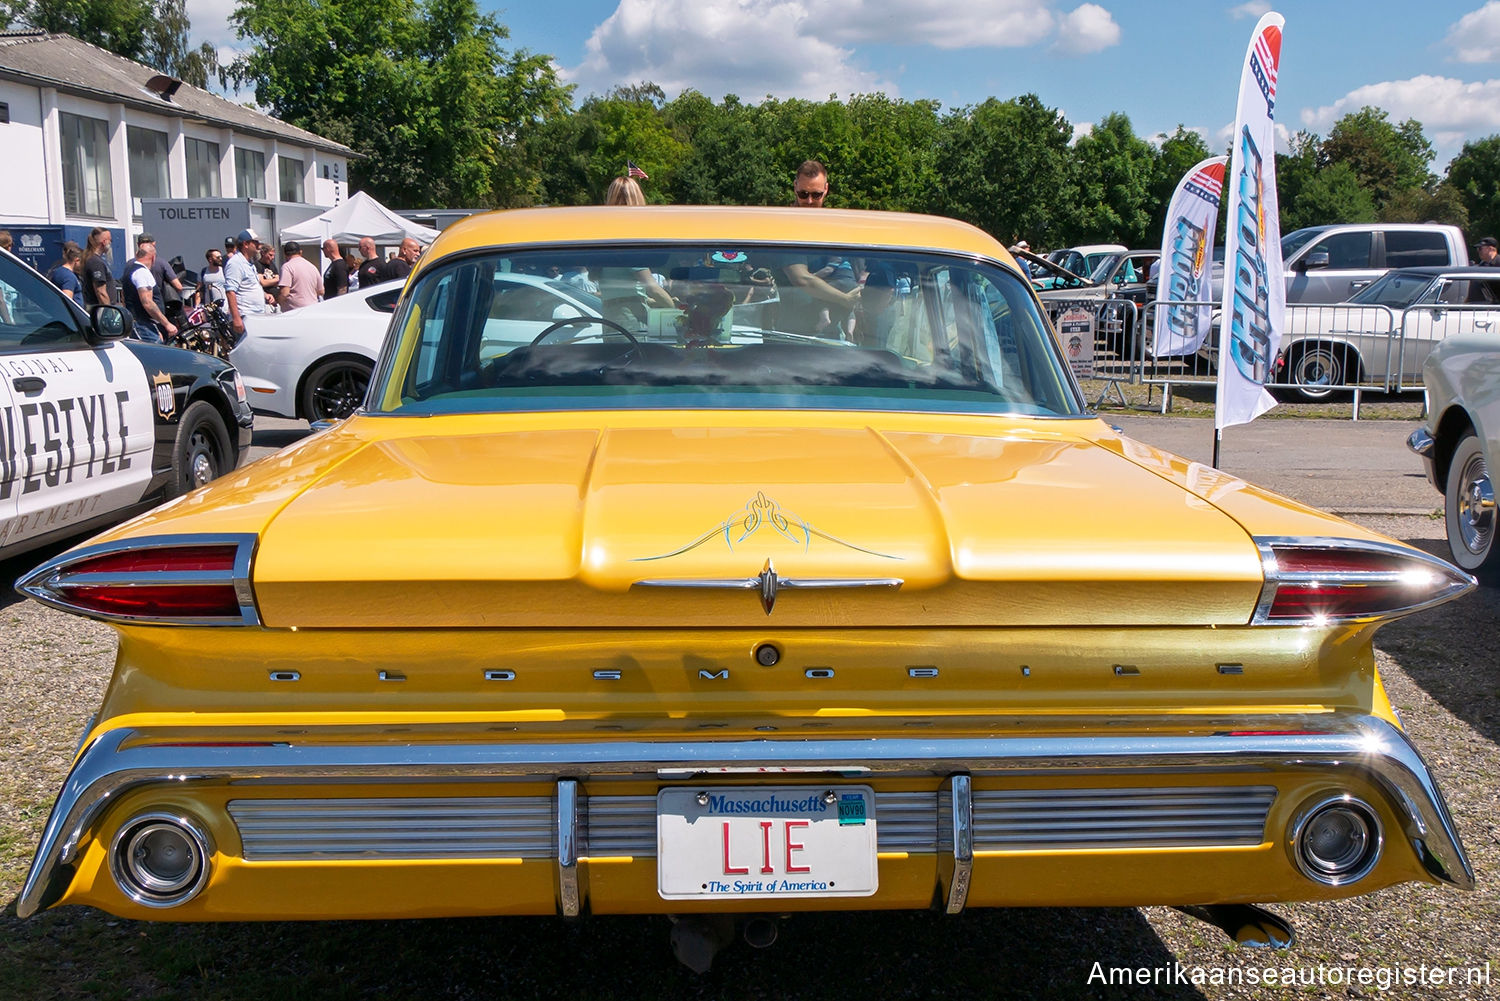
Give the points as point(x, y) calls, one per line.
point(748, 842)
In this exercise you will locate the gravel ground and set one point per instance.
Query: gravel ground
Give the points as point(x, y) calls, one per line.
point(1438, 667)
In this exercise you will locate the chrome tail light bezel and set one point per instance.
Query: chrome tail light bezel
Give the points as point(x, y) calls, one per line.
point(127, 874)
point(55, 581)
point(1448, 581)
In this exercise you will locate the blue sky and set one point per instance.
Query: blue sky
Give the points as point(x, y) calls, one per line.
point(1162, 63)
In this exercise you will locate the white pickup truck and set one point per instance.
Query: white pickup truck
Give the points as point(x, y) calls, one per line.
point(1331, 263)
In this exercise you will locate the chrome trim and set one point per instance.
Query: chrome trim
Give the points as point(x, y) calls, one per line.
point(1307, 812)
point(49, 583)
point(568, 898)
point(409, 827)
point(961, 801)
point(1121, 817)
point(124, 759)
point(196, 832)
point(769, 583)
point(1421, 442)
point(1458, 582)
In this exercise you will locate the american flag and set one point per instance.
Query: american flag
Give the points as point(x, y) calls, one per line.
point(631, 170)
point(1267, 57)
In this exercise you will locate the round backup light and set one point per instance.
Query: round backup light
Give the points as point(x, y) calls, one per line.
point(1337, 841)
point(160, 860)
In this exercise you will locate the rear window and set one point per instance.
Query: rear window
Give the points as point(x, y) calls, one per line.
point(1415, 249)
point(687, 325)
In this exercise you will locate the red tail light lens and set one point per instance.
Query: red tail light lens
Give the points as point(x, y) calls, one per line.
point(1318, 581)
point(193, 580)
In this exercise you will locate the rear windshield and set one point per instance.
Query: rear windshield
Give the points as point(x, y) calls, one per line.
point(678, 325)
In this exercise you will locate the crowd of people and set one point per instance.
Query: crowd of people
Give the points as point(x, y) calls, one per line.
point(244, 278)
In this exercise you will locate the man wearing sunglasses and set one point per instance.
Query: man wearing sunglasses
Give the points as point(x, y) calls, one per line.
point(817, 305)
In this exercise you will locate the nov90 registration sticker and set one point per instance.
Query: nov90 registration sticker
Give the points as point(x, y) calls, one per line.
point(765, 842)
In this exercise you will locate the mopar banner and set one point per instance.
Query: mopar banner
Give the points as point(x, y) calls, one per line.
point(1187, 261)
point(1254, 289)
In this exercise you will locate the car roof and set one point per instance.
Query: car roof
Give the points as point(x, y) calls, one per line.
point(719, 225)
point(1450, 271)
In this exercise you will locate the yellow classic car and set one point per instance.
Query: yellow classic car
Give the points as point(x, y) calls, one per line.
point(762, 571)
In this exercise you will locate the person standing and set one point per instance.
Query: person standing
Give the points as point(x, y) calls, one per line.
point(371, 267)
point(831, 304)
point(301, 285)
point(242, 285)
point(64, 274)
point(1489, 253)
point(151, 324)
point(99, 285)
point(211, 279)
point(406, 257)
point(168, 285)
point(336, 278)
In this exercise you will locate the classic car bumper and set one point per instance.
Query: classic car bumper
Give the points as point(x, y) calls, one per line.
point(1237, 768)
point(1424, 444)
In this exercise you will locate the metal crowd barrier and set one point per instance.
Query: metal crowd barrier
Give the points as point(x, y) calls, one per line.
point(1328, 349)
point(1115, 351)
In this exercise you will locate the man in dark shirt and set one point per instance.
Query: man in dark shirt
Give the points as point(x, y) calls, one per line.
point(405, 258)
point(371, 267)
point(99, 285)
point(336, 278)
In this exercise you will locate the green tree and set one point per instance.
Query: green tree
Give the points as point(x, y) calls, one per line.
point(152, 32)
point(729, 158)
point(1386, 159)
point(1179, 153)
point(1474, 175)
point(421, 89)
point(1005, 166)
point(1115, 170)
point(1331, 195)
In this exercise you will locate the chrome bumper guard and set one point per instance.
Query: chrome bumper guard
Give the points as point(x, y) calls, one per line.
point(123, 760)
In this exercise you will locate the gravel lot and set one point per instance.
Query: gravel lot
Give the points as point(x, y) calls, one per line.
point(1439, 669)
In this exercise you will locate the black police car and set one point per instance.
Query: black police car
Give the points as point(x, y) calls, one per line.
point(95, 426)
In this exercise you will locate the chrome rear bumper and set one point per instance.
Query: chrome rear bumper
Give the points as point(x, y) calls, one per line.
point(1366, 746)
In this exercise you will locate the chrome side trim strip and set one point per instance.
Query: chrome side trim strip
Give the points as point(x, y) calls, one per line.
point(121, 760)
point(568, 898)
point(962, 800)
point(51, 582)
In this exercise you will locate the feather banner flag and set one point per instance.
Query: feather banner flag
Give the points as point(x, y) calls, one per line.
point(1254, 303)
point(1184, 316)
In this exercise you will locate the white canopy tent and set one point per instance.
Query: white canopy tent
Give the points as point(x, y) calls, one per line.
point(358, 217)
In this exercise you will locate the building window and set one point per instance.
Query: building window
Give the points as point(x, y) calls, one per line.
point(249, 173)
point(87, 184)
point(202, 168)
point(291, 172)
point(148, 164)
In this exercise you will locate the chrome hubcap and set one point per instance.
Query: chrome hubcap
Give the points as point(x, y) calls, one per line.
point(1476, 507)
point(203, 469)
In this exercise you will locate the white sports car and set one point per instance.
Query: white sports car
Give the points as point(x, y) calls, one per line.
point(315, 362)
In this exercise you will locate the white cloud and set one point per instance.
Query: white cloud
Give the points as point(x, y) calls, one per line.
point(1451, 111)
point(1441, 104)
point(1085, 29)
point(1254, 8)
point(1475, 37)
point(806, 48)
point(745, 47)
point(943, 24)
point(210, 21)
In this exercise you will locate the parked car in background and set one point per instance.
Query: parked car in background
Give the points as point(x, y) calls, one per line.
point(1332, 263)
point(315, 362)
point(1081, 260)
point(1460, 444)
point(96, 426)
point(1384, 334)
point(730, 609)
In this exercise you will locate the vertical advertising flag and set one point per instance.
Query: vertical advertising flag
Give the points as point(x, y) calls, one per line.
point(1254, 287)
point(1183, 314)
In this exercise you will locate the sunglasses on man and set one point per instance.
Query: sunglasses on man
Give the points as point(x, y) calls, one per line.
point(811, 196)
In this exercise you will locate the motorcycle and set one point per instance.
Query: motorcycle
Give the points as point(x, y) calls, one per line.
point(206, 328)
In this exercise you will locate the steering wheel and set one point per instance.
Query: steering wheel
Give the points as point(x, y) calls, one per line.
point(579, 321)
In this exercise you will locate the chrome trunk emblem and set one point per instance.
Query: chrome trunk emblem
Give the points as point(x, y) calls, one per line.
point(769, 583)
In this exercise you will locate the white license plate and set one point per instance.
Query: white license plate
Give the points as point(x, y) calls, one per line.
point(747, 842)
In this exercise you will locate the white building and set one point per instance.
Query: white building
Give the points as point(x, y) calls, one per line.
point(87, 134)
